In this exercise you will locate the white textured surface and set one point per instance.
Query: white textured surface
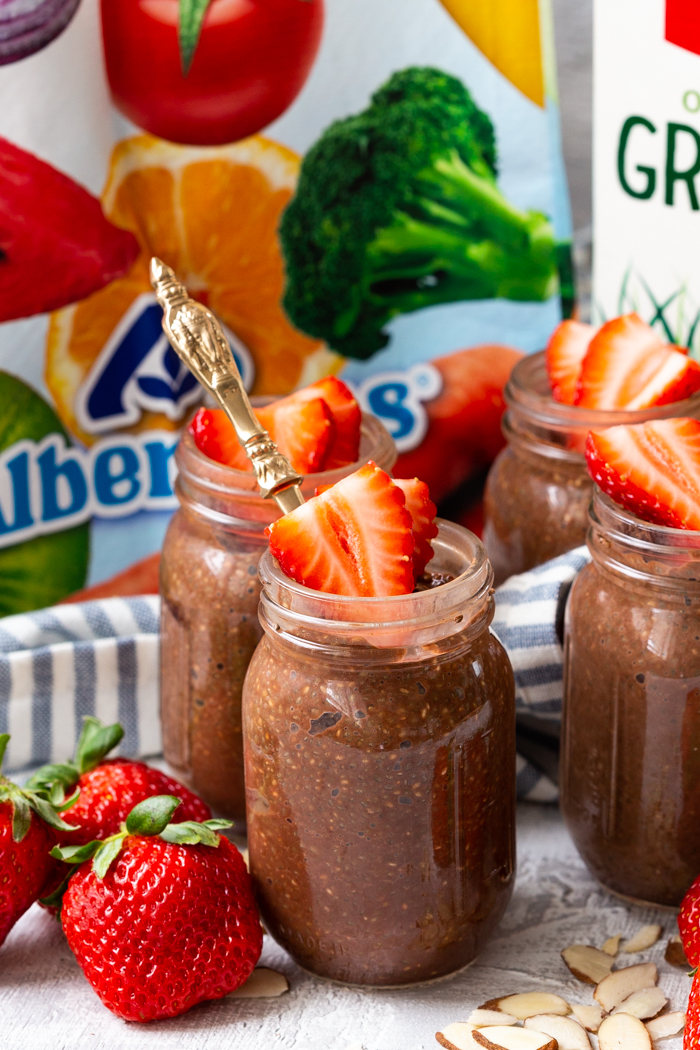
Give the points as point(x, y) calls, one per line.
point(45, 1003)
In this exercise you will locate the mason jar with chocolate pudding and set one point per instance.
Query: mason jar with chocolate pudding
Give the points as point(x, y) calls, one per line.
point(380, 772)
point(630, 776)
point(538, 489)
point(209, 611)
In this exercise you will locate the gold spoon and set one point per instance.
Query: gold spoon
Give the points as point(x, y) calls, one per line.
point(198, 339)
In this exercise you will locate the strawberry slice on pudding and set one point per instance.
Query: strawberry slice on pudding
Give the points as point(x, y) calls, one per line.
point(303, 432)
point(564, 356)
point(652, 469)
point(627, 366)
point(345, 446)
point(422, 511)
point(317, 429)
point(354, 539)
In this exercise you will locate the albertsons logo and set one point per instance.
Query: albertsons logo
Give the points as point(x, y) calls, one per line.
point(139, 371)
point(47, 486)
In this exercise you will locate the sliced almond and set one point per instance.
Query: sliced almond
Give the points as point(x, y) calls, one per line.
point(263, 983)
point(457, 1036)
point(643, 939)
point(618, 986)
point(502, 1037)
point(527, 1004)
point(675, 953)
point(481, 1018)
point(612, 945)
point(587, 963)
point(623, 1032)
point(666, 1025)
point(645, 1004)
point(568, 1033)
point(589, 1016)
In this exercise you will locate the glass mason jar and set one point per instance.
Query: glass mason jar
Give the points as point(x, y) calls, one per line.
point(209, 611)
point(538, 488)
point(631, 729)
point(380, 772)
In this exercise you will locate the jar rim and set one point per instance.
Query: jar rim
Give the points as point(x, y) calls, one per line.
point(644, 536)
point(527, 392)
point(443, 608)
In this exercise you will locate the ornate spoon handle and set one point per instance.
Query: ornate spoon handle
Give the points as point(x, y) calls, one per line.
point(196, 336)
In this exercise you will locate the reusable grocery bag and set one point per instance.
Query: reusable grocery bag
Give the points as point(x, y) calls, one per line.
point(373, 189)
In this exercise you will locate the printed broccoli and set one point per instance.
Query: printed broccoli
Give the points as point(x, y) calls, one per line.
point(397, 209)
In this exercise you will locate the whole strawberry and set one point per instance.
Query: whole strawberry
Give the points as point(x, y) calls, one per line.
point(109, 789)
point(28, 825)
point(161, 916)
point(691, 1032)
point(689, 924)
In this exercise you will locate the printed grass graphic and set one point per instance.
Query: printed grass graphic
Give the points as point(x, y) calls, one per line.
point(42, 570)
point(676, 317)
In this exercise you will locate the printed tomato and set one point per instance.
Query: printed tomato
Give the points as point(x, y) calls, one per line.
point(248, 64)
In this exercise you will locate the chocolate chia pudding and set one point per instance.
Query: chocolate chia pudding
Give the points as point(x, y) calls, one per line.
point(631, 731)
point(209, 612)
point(380, 773)
point(538, 489)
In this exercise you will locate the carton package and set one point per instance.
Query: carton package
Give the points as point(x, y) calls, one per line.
point(373, 189)
point(647, 165)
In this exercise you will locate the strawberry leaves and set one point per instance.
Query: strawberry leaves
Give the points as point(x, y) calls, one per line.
point(149, 818)
point(96, 741)
point(189, 833)
point(31, 798)
point(192, 15)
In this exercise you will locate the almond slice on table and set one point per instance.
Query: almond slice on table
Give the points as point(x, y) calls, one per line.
point(481, 1018)
point(675, 953)
point(457, 1036)
point(618, 986)
point(645, 1004)
point(586, 963)
point(527, 1004)
point(503, 1037)
point(568, 1033)
point(623, 1032)
point(643, 939)
point(589, 1016)
point(666, 1025)
point(612, 945)
point(263, 983)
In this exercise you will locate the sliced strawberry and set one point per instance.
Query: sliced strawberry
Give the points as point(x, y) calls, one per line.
point(423, 511)
point(215, 437)
point(652, 469)
point(355, 539)
point(302, 431)
point(627, 366)
point(564, 356)
point(345, 447)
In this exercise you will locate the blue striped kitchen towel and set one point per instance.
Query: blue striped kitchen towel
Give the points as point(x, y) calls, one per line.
point(101, 658)
point(92, 658)
point(529, 620)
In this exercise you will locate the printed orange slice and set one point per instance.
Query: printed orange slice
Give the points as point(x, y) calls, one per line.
point(211, 214)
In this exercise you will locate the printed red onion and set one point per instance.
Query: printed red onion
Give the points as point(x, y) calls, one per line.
point(28, 25)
